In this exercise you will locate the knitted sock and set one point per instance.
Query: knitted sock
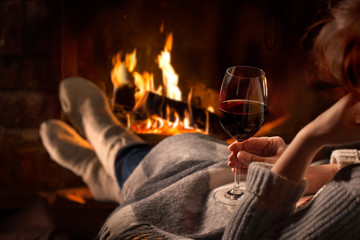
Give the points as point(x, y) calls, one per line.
point(88, 109)
point(68, 149)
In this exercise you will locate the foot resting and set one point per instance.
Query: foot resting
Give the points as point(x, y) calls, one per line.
point(66, 147)
point(88, 109)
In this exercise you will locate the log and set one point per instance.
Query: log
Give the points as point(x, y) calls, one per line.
point(154, 104)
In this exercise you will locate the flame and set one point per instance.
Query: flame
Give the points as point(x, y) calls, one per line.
point(131, 61)
point(157, 125)
point(210, 109)
point(118, 73)
point(145, 83)
point(170, 78)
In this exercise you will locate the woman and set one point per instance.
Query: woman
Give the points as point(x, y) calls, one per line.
point(167, 192)
point(273, 191)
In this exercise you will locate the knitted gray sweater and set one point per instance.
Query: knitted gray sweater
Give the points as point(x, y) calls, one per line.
point(170, 196)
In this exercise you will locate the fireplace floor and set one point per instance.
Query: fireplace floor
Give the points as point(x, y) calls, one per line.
point(52, 215)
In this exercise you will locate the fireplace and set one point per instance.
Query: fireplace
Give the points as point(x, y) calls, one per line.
point(42, 42)
point(207, 38)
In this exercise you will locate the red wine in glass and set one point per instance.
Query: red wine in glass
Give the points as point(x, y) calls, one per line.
point(243, 108)
point(241, 119)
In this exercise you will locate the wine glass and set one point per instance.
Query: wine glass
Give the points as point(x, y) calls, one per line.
point(243, 107)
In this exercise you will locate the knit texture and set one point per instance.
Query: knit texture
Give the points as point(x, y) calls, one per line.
point(89, 111)
point(170, 195)
point(345, 157)
point(66, 147)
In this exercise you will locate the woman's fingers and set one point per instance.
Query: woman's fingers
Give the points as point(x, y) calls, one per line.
point(262, 146)
point(235, 146)
point(247, 158)
point(243, 158)
point(256, 149)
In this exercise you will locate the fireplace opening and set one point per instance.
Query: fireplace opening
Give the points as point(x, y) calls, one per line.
point(207, 38)
point(43, 42)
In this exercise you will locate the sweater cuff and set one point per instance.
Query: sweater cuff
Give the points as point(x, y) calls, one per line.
point(345, 157)
point(262, 182)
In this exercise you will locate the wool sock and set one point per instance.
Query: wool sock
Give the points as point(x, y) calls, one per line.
point(88, 109)
point(66, 147)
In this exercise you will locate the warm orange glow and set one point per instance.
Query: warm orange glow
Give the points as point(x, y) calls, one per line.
point(77, 194)
point(131, 61)
point(118, 73)
point(268, 127)
point(170, 78)
point(157, 125)
point(145, 83)
point(169, 42)
point(210, 109)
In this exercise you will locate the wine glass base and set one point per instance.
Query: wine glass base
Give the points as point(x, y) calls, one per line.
point(226, 196)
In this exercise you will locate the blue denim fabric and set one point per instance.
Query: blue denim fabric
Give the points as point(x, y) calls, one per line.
point(127, 160)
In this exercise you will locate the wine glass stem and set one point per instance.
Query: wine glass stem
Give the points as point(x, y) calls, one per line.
point(237, 189)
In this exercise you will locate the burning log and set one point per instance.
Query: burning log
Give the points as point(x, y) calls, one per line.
point(153, 104)
point(136, 99)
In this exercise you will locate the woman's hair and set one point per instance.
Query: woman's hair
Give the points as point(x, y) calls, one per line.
point(336, 48)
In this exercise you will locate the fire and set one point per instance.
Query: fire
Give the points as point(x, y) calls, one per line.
point(170, 78)
point(145, 83)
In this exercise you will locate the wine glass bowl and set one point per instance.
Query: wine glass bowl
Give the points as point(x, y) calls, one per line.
point(242, 118)
point(243, 108)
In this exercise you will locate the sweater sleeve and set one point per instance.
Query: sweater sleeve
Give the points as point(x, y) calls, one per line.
point(269, 198)
point(345, 157)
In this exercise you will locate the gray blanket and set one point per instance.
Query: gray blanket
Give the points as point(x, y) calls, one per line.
point(172, 190)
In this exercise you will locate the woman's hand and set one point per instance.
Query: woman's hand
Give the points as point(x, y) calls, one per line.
point(340, 124)
point(337, 125)
point(256, 149)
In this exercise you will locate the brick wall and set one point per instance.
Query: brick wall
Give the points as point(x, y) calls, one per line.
point(29, 75)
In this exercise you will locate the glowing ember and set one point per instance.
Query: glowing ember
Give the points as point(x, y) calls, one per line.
point(145, 83)
point(157, 125)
